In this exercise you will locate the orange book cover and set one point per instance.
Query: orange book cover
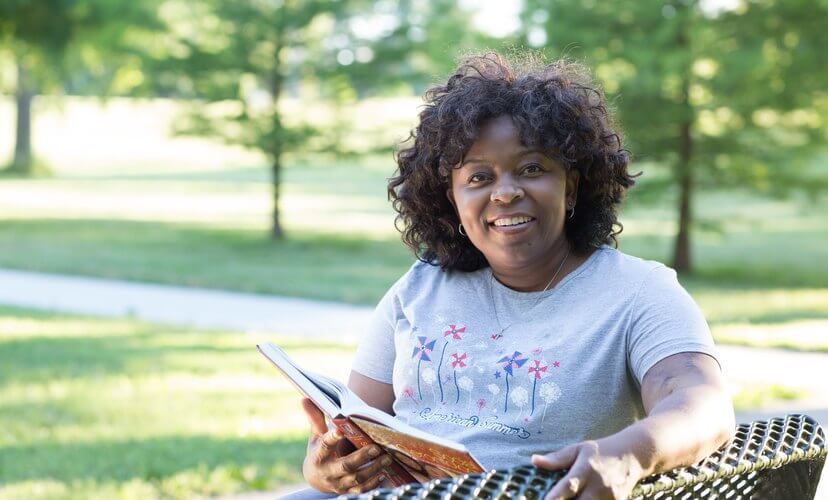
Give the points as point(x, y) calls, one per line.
point(397, 475)
point(423, 459)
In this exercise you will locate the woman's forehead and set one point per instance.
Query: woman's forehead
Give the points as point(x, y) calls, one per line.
point(500, 129)
point(501, 140)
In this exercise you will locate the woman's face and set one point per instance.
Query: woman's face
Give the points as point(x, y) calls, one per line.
point(511, 200)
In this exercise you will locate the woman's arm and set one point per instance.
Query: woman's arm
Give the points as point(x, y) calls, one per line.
point(689, 416)
point(377, 394)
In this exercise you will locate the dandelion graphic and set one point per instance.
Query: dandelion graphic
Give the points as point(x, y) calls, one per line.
point(429, 377)
point(538, 370)
point(520, 396)
point(549, 393)
point(458, 361)
point(467, 385)
point(454, 332)
point(509, 362)
point(421, 352)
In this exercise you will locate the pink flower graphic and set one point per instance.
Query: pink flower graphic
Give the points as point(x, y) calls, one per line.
point(537, 369)
point(454, 331)
point(458, 360)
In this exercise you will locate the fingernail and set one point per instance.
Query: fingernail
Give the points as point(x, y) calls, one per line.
point(386, 460)
point(374, 451)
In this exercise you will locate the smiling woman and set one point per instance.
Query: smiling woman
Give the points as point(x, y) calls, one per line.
point(575, 355)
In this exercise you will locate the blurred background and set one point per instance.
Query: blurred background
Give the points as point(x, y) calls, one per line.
point(243, 148)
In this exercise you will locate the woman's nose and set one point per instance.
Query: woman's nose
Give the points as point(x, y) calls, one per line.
point(507, 191)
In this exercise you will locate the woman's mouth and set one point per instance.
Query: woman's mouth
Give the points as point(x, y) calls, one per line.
point(511, 225)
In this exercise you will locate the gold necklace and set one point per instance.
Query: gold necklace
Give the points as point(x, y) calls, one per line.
point(494, 305)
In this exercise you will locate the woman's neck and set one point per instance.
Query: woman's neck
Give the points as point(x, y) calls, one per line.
point(535, 277)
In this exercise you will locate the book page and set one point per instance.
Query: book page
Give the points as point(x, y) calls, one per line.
point(324, 395)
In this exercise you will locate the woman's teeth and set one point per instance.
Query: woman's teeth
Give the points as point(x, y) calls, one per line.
point(512, 221)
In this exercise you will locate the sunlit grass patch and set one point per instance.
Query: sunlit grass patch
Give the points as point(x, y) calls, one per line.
point(146, 411)
point(753, 398)
point(806, 335)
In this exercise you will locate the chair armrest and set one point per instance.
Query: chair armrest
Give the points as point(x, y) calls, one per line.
point(778, 458)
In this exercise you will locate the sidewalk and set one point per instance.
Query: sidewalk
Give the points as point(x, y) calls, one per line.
point(200, 308)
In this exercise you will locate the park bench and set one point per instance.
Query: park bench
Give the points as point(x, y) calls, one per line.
point(780, 458)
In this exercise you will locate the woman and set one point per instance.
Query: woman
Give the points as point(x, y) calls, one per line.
point(565, 351)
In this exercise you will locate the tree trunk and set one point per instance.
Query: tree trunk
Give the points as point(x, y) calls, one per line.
point(22, 162)
point(684, 169)
point(681, 253)
point(277, 140)
point(276, 232)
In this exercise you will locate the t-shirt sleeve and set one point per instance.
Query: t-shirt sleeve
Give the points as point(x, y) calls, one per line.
point(375, 353)
point(665, 321)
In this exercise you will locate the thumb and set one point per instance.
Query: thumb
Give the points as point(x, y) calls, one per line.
point(560, 459)
point(315, 417)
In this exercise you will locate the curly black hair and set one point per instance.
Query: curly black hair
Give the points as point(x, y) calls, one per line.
point(555, 107)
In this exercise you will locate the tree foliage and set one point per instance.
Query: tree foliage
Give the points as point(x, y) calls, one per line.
point(237, 59)
point(725, 98)
point(53, 41)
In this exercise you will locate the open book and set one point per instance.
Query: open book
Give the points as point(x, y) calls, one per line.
point(418, 455)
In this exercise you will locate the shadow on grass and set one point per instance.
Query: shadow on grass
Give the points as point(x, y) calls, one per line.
point(149, 459)
point(42, 358)
point(349, 268)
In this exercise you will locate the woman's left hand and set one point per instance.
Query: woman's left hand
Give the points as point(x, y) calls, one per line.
point(597, 470)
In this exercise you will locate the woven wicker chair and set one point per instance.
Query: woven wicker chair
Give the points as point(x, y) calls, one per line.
point(776, 459)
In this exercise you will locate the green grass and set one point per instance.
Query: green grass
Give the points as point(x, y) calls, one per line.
point(763, 397)
point(96, 408)
point(110, 409)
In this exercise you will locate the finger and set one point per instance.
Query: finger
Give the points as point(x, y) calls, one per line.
point(560, 459)
point(367, 478)
point(327, 445)
point(315, 417)
point(351, 464)
point(373, 470)
point(373, 483)
point(570, 485)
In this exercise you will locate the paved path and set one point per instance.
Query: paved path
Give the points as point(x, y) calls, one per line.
point(743, 366)
point(182, 306)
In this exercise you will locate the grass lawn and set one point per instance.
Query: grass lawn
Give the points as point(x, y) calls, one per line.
point(107, 409)
point(96, 408)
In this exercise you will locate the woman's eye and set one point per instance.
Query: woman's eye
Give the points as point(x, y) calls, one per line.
point(477, 178)
point(533, 169)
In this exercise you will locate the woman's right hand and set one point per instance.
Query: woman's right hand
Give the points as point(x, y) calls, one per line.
point(331, 464)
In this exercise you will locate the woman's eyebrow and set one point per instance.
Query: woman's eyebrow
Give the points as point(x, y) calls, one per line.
point(519, 153)
point(528, 151)
point(474, 160)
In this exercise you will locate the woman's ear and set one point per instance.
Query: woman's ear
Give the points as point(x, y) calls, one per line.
point(573, 177)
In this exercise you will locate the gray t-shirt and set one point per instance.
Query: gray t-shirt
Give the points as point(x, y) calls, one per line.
point(567, 367)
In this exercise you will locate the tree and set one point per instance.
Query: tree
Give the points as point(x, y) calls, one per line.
point(720, 96)
point(46, 38)
point(236, 57)
point(233, 58)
